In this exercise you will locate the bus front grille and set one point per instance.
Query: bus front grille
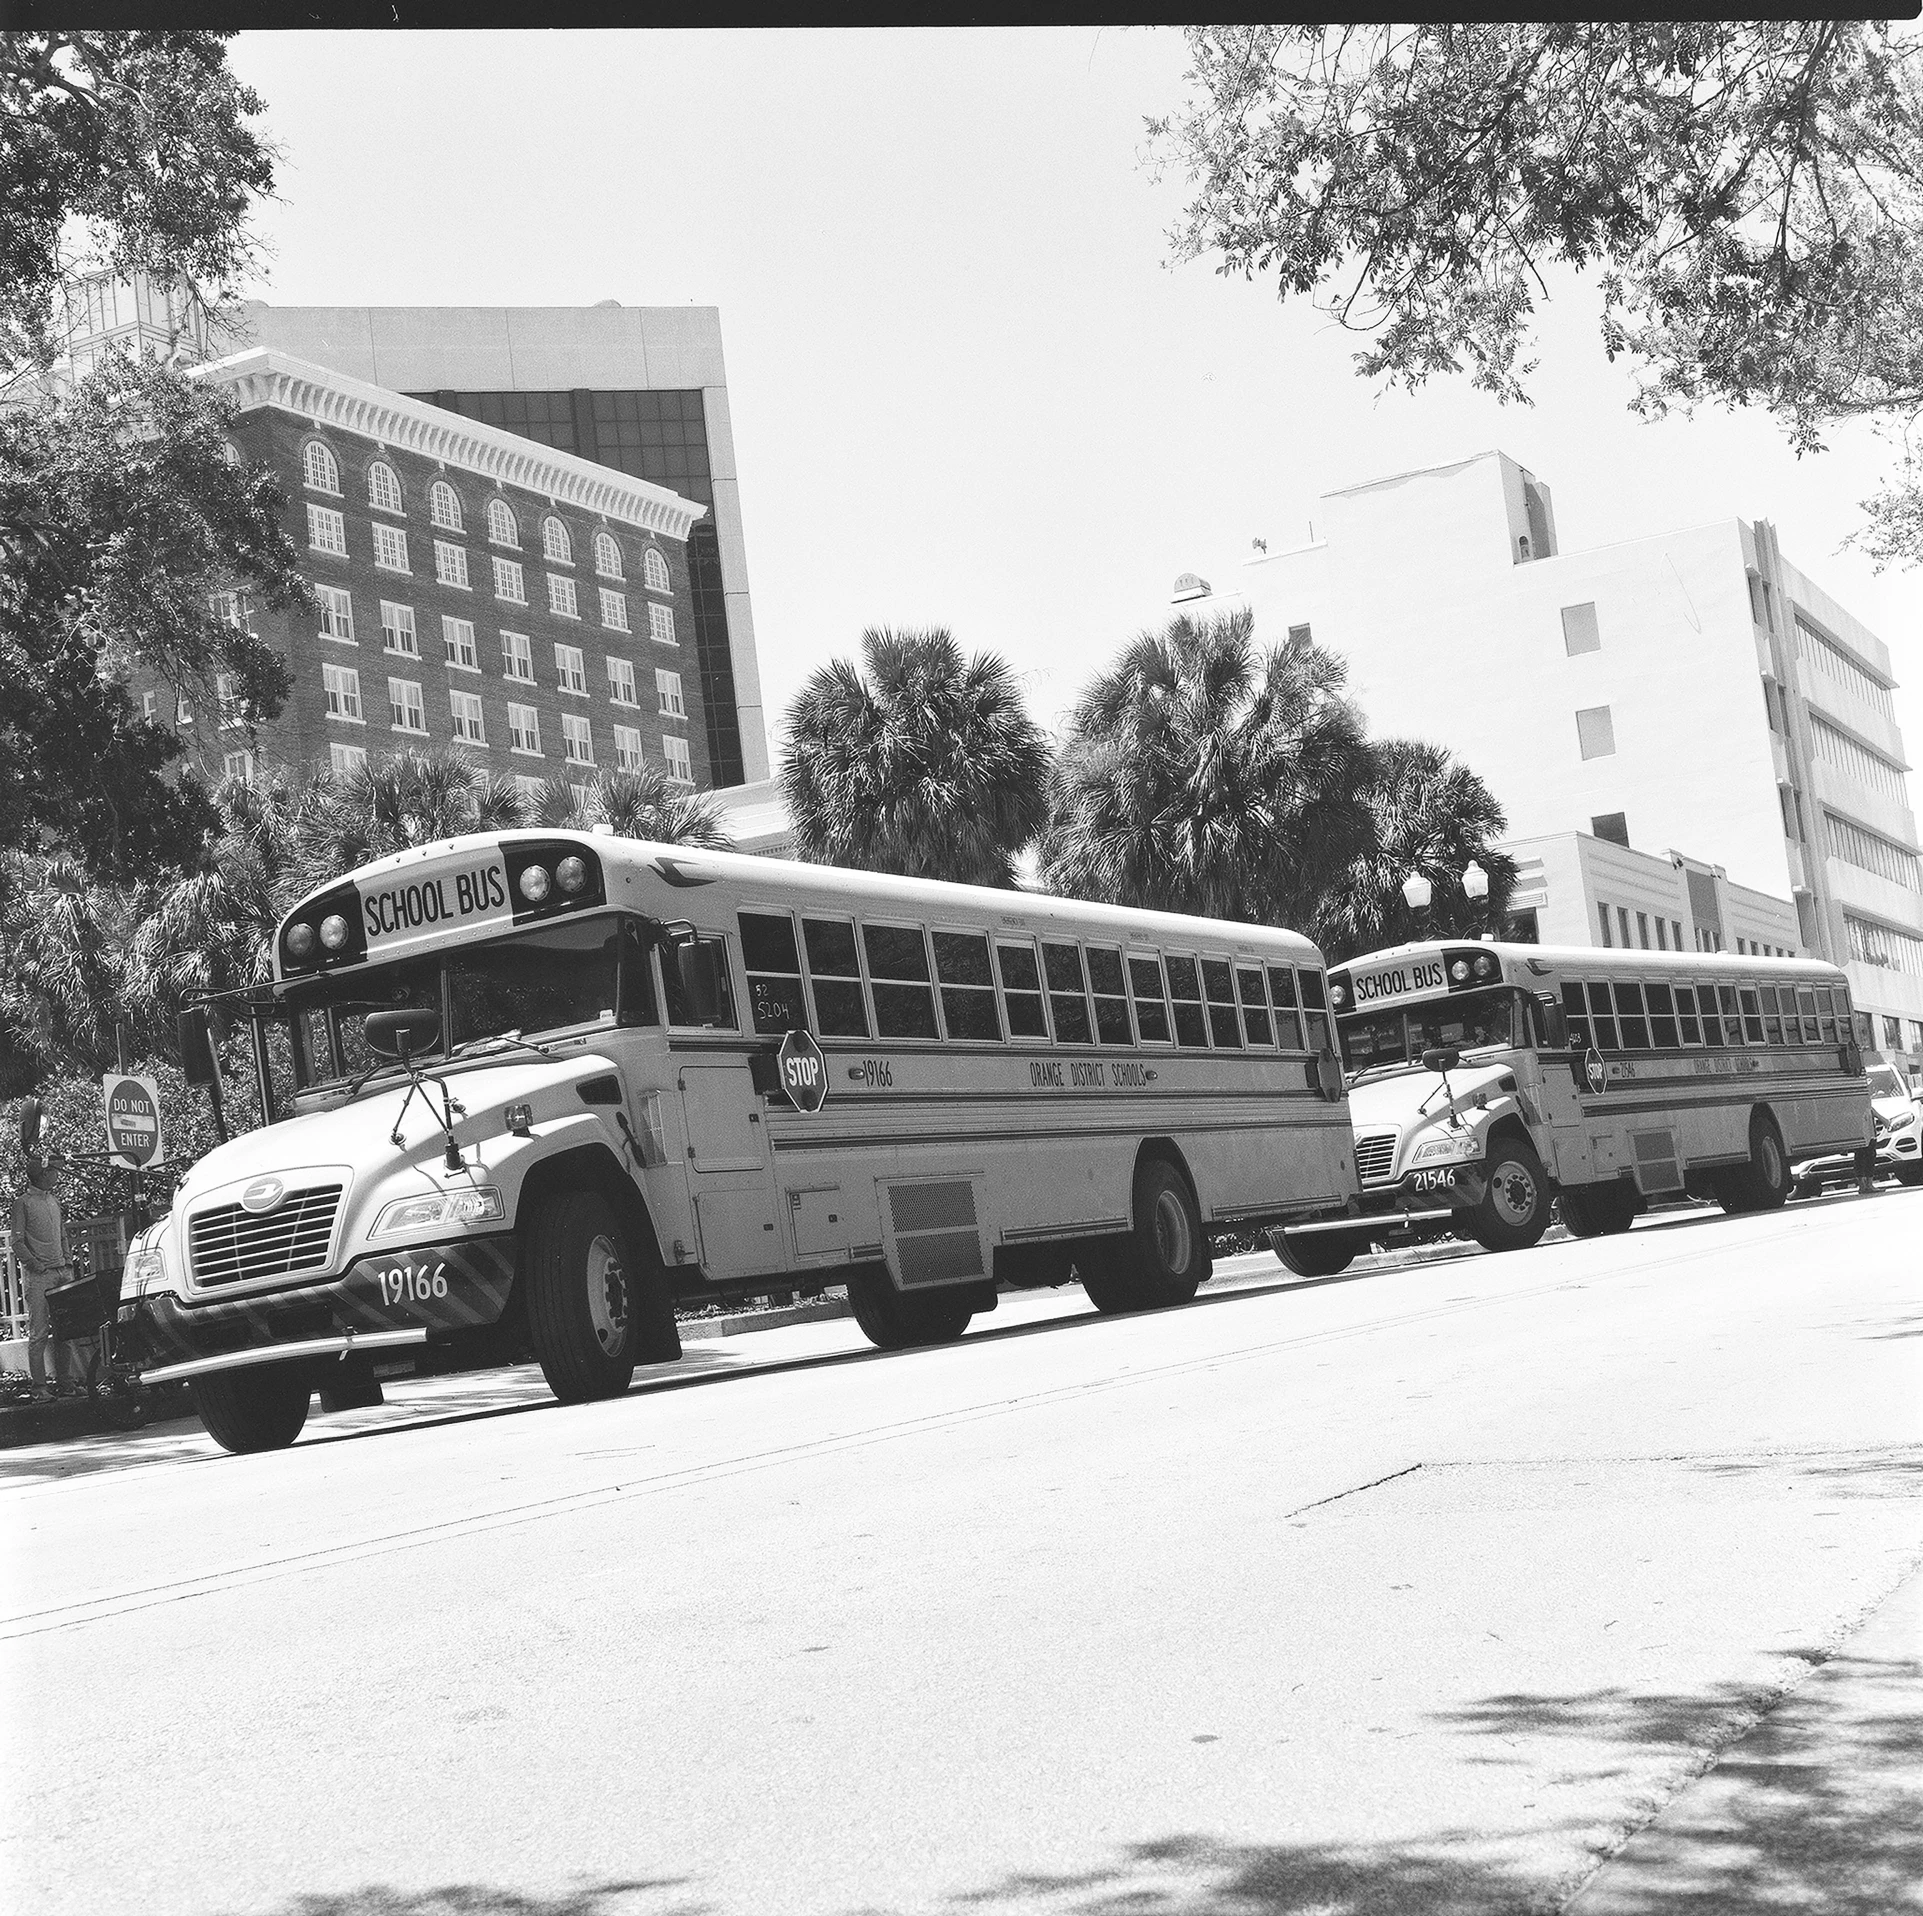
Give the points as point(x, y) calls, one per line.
point(233, 1246)
point(1374, 1156)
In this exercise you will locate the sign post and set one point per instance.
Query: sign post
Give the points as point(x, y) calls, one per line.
point(133, 1121)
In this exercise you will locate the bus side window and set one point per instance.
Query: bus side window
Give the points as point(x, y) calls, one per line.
point(1315, 1016)
point(1255, 1005)
point(705, 959)
point(1602, 1020)
point(967, 989)
point(773, 963)
point(898, 976)
point(1688, 1028)
point(834, 970)
point(1288, 1022)
point(1219, 982)
point(1752, 1015)
point(1732, 1024)
point(1185, 988)
point(1631, 1017)
point(1111, 996)
point(1067, 993)
point(1806, 1012)
point(1772, 1016)
point(1576, 1015)
point(1662, 1019)
point(1826, 1005)
point(1151, 998)
point(1022, 991)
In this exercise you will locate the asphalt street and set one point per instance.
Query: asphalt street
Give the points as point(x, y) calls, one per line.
point(1484, 1584)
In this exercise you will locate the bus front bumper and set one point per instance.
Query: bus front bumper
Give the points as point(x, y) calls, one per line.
point(1454, 1187)
point(383, 1302)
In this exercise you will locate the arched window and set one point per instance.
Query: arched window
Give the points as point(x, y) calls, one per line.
point(555, 543)
point(383, 487)
point(444, 506)
point(654, 571)
point(607, 556)
point(322, 473)
point(501, 528)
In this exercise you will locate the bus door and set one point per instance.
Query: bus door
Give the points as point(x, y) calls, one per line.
point(1566, 1146)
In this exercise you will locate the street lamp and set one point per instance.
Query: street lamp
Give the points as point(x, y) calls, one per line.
point(1475, 882)
point(1417, 891)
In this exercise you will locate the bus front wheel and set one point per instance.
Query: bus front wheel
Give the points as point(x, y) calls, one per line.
point(894, 1320)
point(258, 1409)
point(585, 1302)
point(1316, 1253)
point(1514, 1211)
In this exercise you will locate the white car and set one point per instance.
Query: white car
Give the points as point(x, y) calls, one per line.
point(1897, 1121)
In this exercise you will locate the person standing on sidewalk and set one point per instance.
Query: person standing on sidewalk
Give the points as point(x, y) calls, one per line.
point(40, 1247)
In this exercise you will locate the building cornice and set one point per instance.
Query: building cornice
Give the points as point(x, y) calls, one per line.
point(265, 378)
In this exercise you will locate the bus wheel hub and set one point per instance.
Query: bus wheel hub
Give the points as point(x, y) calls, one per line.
point(607, 1295)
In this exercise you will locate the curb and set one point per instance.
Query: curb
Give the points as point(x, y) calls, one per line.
point(696, 1330)
point(71, 1417)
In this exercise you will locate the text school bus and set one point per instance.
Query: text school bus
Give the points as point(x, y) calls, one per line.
point(1487, 1081)
point(546, 1086)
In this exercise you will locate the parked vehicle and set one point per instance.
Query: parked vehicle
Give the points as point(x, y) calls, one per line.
point(1898, 1134)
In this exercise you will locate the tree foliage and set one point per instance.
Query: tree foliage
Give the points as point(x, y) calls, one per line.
point(930, 766)
point(123, 152)
point(1202, 775)
point(1750, 190)
point(644, 804)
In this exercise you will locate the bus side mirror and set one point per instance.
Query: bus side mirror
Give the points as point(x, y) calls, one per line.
point(696, 965)
point(1442, 1058)
point(402, 1034)
point(196, 1047)
point(1555, 1022)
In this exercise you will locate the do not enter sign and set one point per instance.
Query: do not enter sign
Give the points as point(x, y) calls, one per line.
point(133, 1121)
point(804, 1071)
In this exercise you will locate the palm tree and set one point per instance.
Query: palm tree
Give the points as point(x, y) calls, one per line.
point(1202, 776)
point(929, 766)
point(1432, 815)
point(407, 798)
point(62, 933)
point(644, 804)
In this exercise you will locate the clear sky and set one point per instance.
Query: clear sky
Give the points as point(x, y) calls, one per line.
point(968, 389)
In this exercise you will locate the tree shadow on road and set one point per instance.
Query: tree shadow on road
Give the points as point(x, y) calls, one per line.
point(484, 1899)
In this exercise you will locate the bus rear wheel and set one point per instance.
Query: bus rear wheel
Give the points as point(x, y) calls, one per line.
point(259, 1409)
point(1165, 1258)
point(894, 1320)
point(1316, 1253)
point(1598, 1210)
point(586, 1296)
point(1763, 1183)
point(1514, 1211)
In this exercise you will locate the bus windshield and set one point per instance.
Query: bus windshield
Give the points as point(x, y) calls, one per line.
point(1471, 1022)
point(582, 972)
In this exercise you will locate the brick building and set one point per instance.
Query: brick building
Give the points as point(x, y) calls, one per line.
point(476, 588)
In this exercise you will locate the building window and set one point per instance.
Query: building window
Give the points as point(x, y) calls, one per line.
point(561, 597)
point(233, 609)
point(508, 582)
point(517, 657)
point(524, 730)
point(1579, 633)
point(1622, 918)
point(343, 685)
point(1662, 935)
point(675, 751)
point(226, 700)
point(621, 682)
point(457, 635)
point(397, 629)
point(577, 739)
point(465, 709)
point(1642, 929)
point(238, 765)
point(661, 623)
point(555, 543)
point(614, 610)
point(1300, 638)
point(571, 669)
point(147, 703)
point(532, 790)
point(343, 759)
point(1602, 918)
point(1871, 852)
point(1613, 826)
point(450, 564)
point(390, 549)
point(1892, 1033)
point(336, 614)
point(327, 531)
point(1884, 947)
point(502, 529)
point(1838, 666)
point(1869, 769)
point(607, 556)
point(183, 711)
point(444, 507)
point(404, 702)
point(667, 688)
point(1676, 932)
point(1596, 732)
point(627, 748)
point(384, 488)
point(319, 468)
point(654, 571)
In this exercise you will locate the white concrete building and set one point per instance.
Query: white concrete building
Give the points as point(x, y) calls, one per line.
point(1689, 688)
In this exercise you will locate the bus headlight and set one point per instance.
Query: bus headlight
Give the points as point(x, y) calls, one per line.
point(300, 940)
point(570, 874)
point(479, 1206)
point(146, 1271)
point(1445, 1150)
point(535, 884)
point(333, 931)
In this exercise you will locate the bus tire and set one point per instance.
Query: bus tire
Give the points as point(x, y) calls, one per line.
point(1909, 1175)
point(1514, 1211)
point(584, 1296)
point(1598, 1210)
point(1163, 1260)
point(894, 1321)
point(259, 1409)
point(1762, 1184)
point(1315, 1253)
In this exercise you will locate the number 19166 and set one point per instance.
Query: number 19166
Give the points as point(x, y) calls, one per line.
point(405, 1284)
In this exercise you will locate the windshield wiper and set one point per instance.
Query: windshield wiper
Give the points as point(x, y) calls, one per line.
point(499, 1037)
